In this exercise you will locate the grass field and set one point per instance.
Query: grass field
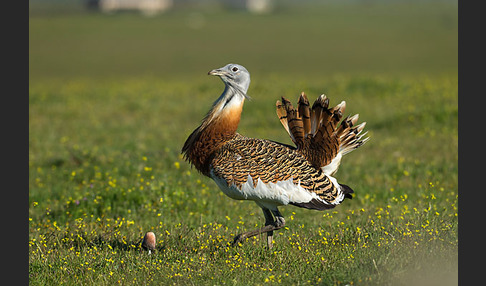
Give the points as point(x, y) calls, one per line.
point(111, 103)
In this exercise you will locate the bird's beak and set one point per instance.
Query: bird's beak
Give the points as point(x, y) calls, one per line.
point(216, 72)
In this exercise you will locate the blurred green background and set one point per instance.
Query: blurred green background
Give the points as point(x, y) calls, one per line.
point(311, 38)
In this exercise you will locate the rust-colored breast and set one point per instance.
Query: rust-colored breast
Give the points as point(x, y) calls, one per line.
point(210, 136)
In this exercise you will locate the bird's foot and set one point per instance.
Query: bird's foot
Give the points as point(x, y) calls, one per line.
point(279, 222)
point(239, 239)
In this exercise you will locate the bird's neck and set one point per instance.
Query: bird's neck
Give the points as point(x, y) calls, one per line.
point(218, 127)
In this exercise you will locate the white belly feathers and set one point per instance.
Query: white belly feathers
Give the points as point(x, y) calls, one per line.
point(267, 194)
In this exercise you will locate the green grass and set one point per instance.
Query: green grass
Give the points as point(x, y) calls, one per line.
point(105, 165)
point(104, 174)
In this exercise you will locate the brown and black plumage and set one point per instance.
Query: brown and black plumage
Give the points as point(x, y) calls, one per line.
point(270, 173)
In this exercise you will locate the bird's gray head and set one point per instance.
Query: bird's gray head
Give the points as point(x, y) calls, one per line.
point(234, 76)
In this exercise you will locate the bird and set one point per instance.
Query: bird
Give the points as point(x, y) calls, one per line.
point(270, 173)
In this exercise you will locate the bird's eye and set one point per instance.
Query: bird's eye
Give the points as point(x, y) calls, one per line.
point(235, 69)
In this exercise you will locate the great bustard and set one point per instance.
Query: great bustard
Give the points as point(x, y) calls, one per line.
point(269, 173)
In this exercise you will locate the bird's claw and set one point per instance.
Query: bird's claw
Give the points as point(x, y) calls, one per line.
point(238, 239)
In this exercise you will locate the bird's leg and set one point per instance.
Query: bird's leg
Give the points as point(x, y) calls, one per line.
point(279, 219)
point(271, 224)
point(278, 223)
point(268, 227)
point(269, 220)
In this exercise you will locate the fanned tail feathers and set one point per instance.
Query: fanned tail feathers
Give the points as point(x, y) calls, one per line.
point(305, 113)
point(292, 122)
point(316, 131)
point(351, 137)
